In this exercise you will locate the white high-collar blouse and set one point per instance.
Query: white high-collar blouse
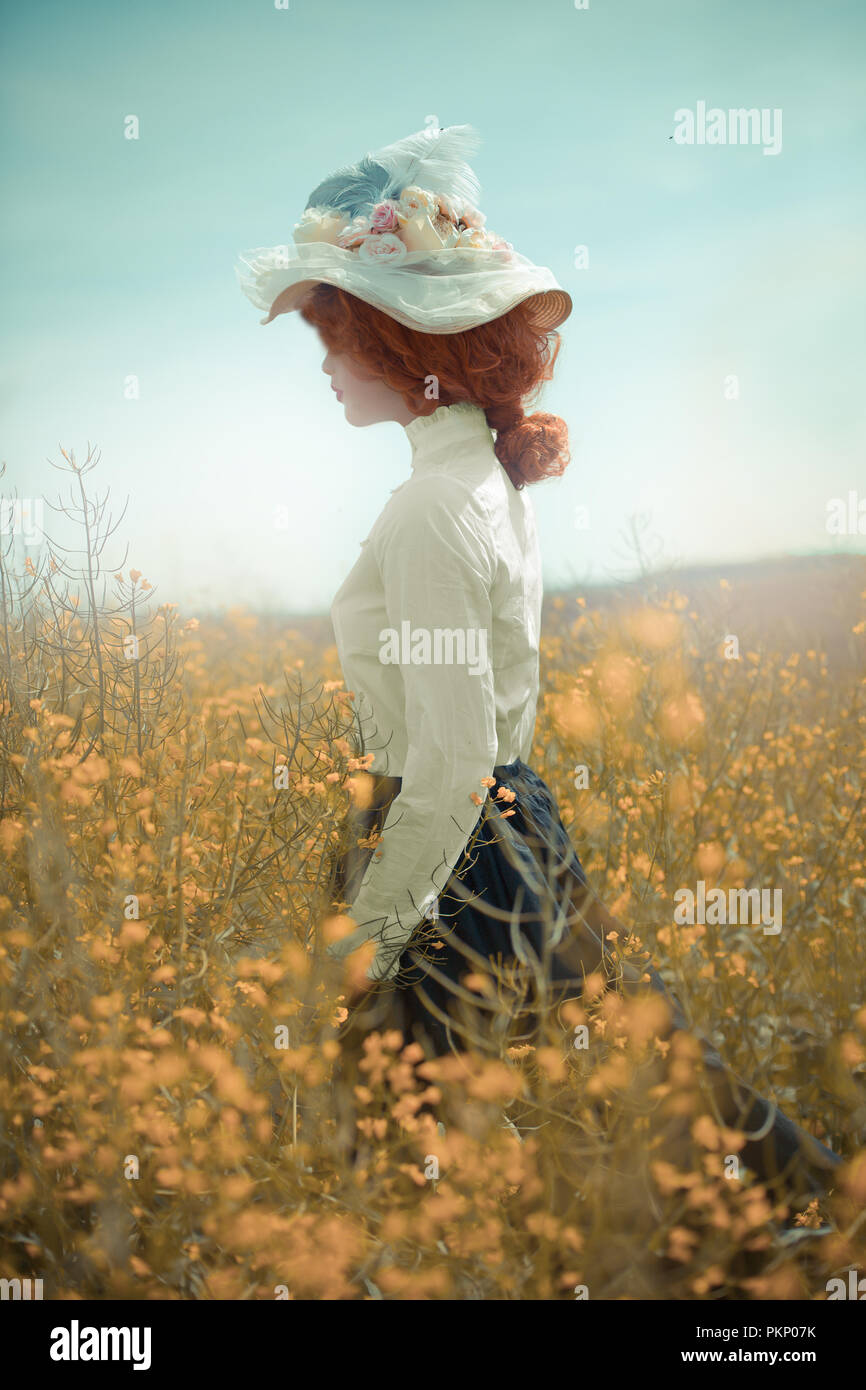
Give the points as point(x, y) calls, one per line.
point(437, 627)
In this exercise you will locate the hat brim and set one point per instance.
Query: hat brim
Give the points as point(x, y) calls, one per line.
point(446, 292)
point(548, 308)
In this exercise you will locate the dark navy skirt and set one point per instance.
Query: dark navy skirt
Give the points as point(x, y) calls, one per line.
point(518, 910)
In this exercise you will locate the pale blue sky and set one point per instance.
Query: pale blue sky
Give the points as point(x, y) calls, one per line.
point(705, 261)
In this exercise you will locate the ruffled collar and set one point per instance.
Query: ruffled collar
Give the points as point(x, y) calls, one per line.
point(431, 435)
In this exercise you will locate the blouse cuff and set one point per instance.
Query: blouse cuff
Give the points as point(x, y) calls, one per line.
point(392, 932)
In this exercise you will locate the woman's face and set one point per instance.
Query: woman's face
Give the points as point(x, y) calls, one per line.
point(366, 400)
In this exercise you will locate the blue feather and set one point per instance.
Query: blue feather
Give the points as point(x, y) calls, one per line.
point(352, 189)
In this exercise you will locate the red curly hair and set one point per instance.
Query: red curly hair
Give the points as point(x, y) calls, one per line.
point(495, 366)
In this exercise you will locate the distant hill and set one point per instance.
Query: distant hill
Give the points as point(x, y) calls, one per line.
point(794, 602)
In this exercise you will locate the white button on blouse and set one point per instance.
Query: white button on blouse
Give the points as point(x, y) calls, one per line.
point(437, 628)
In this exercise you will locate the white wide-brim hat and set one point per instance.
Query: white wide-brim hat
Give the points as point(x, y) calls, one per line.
point(400, 231)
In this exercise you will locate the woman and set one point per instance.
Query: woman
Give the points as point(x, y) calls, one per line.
point(461, 862)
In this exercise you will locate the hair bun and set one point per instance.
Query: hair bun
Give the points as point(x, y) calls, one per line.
point(529, 447)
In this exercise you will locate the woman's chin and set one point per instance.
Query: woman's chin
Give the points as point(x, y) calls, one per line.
point(353, 416)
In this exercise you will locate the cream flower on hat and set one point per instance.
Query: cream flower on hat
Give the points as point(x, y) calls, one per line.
point(419, 234)
point(415, 200)
point(319, 224)
point(353, 234)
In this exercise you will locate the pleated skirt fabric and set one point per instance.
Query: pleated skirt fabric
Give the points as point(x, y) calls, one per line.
point(518, 909)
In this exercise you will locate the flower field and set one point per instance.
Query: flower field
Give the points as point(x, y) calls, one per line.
point(172, 794)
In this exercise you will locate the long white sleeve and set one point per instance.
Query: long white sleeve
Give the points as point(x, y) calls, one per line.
point(437, 568)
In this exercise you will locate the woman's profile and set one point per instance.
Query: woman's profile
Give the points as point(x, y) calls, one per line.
point(461, 862)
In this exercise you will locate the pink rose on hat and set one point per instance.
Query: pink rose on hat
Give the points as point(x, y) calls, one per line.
point(384, 217)
point(384, 247)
